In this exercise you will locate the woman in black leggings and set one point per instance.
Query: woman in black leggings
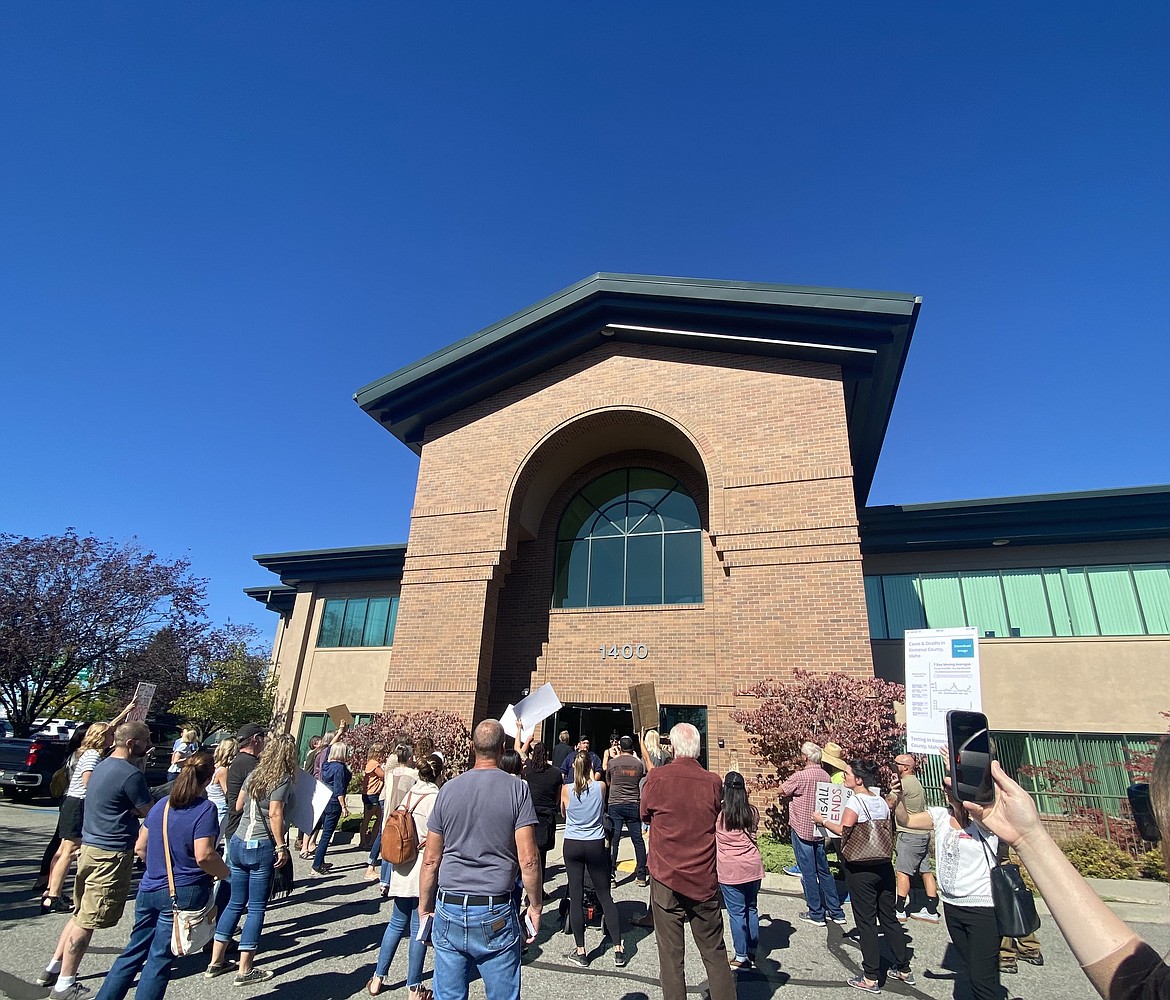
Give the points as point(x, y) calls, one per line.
point(583, 806)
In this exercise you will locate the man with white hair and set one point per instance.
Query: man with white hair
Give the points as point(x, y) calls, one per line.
point(681, 803)
point(820, 890)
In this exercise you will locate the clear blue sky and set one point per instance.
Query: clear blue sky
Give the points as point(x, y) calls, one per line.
point(217, 220)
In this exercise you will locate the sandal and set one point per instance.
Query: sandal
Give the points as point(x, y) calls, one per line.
point(306, 855)
point(371, 988)
point(420, 993)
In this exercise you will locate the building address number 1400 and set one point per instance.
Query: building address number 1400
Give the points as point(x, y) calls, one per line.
point(628, 651)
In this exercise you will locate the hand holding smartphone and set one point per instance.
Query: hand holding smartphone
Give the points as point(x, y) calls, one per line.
point(424, 929)
point(969, 746)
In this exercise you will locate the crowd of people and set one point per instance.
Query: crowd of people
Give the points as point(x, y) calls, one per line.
point(468, 873)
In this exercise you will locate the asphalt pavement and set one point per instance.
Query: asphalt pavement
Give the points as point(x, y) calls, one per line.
point(322, 943)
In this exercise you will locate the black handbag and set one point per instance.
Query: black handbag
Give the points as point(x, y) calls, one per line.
point(1015, 909)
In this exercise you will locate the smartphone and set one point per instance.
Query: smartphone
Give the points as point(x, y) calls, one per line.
point(528, 925)
point(1143, 814)
point(969, 744)
point(424, 929)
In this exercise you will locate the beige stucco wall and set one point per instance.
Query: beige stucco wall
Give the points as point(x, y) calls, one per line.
point(309, 679)
point(1098, 684)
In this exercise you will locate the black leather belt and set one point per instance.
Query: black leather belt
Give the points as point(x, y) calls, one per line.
point(463, 899)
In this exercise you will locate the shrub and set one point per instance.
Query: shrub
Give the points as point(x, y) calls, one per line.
point(446, 730)
point(857, 713)
point(1151, 866)
point(1096, 857)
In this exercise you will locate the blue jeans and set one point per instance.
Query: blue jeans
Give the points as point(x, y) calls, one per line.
point(627, 814)
point(329, 821)
point(485, 938)
point(743, 916)
point(376, 846)
point(404, 920)
point(251, 869)
point(820, 890)
point(148, 952)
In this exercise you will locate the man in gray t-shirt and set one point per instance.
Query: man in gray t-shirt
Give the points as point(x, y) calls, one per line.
point(624, 777)
point(482, 832)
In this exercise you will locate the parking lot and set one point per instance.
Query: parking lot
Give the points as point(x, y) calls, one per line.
point(322, 942)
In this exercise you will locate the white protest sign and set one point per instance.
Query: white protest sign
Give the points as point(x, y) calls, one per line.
point(532, 710)
point(830, 803)
point(312, 796)
point(143, 696)
point(942, 673)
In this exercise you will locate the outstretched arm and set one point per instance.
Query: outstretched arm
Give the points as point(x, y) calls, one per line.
point(1096, 935)
point(118, 719)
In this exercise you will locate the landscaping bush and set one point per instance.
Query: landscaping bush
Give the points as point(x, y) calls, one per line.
point(1150, 866)
point(1096, 857)
point(857, 713)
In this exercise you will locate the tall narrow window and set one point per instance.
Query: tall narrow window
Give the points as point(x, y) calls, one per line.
point(629, 537)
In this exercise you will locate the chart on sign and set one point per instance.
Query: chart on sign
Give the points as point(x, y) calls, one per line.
point(942, 674)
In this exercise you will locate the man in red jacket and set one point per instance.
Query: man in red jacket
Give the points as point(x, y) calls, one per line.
point(681, 803)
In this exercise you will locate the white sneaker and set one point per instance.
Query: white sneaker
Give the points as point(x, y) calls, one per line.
point(930, 918)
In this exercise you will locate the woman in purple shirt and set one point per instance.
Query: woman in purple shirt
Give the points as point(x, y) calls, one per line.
point(740, 867)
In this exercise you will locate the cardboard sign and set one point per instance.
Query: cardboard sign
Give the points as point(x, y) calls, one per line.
point(340, 714)
point(143, 696)
point(830, 803)
point(644, 705)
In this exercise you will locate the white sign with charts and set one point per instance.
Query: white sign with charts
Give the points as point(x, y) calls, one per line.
point(942, 673)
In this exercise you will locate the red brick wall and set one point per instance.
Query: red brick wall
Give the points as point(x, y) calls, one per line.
point(762, 446)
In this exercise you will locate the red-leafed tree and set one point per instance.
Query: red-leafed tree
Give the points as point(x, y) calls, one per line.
point(857, 713)
point(446, 731)
point(74, 610)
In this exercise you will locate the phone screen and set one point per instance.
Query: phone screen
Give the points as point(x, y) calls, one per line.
point(969, 744)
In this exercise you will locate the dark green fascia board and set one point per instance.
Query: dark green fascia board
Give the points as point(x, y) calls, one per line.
point(279, 598)
point(1140, 513)
point(867, 333)
point(362, 562)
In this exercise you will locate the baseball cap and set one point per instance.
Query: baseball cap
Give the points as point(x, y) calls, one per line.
point(250, 730)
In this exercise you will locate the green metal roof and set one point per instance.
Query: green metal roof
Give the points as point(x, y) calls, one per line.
point(1135, 513)
point(866, 333)
point(362, 562)
point(279, 598)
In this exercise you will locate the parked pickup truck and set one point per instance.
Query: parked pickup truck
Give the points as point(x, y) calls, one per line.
point(27, 766)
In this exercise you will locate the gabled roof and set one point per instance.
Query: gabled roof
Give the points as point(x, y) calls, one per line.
point(1133, 514)
point(867, 333)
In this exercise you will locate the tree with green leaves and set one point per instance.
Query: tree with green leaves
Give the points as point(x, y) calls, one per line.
point(74, 609)
point(239, 689)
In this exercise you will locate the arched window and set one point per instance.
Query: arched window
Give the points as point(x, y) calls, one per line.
point(630, 537)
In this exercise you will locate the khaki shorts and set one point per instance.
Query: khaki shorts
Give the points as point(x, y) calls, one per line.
point(103, 883)
point(913, 853)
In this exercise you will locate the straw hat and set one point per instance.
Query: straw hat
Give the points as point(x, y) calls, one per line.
point(832, 755)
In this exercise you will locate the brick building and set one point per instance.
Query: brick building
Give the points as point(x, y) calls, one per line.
point(661, 479)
